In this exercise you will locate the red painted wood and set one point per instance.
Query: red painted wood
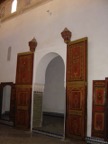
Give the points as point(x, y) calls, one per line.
point(24, 69)
point(23, 107)
point(98, 109)
point(24, 89)
point(76, 89)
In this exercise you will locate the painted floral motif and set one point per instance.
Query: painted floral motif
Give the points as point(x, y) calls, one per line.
point(99, 96)
point(99, 121)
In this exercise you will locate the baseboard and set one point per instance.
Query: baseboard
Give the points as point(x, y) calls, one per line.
point(54, 114)
point(48, 133)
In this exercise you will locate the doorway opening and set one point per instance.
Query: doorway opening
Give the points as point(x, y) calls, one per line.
point(6, 103)
point(51, 100)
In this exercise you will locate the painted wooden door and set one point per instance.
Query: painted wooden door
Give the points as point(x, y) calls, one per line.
point(98, 109)
point(23, 107)
point(76, 88)
point(23, 89)
point(106, 108)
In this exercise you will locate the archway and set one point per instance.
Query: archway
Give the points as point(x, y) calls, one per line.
point(7, 103)
point(49, 91)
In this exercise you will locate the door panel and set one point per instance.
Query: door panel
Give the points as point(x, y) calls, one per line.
point(74, 126)
point(76, 109)
point(77, 60)
point(24, 68)
point(106, 109)
point(24, 89)
point(23, 106)
point(98, 109)
point(76, 88)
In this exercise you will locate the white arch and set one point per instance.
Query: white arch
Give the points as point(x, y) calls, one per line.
point(42, 65)
point(41, 62)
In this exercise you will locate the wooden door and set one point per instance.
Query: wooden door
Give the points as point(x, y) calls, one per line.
point(23, 107)
point(106, 109)
point(76, 89)
point(24, 89)
point(1, 93)
point(98, 109)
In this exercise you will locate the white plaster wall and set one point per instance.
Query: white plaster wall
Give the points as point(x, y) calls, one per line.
point(82, 17)
point(54, 91)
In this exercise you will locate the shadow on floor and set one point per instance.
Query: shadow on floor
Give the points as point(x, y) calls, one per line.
point(9, 135)
point(52, 125)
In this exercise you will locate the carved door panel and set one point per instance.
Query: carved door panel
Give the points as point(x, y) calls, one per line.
point(24, 71)
point(98, 109)
point(23, 107)
point(76, 87)
point(24, 89)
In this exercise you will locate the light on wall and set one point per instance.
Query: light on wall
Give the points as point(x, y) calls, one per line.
point(14, 6)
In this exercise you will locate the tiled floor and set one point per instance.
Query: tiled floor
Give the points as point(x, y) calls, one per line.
point(9, 135)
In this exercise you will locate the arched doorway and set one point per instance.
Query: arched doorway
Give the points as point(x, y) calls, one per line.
point(7, 103)
point(49, 96)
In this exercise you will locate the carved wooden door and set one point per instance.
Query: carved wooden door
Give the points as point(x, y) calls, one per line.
point(76, 88)
point(24, 89)
point(98, 109)
point(23, 107)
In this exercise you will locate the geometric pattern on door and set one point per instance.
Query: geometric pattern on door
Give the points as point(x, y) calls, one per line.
point(76, 88)
point(98, 109)
point(76, 111)
point(106, 109)
point(77, 60)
